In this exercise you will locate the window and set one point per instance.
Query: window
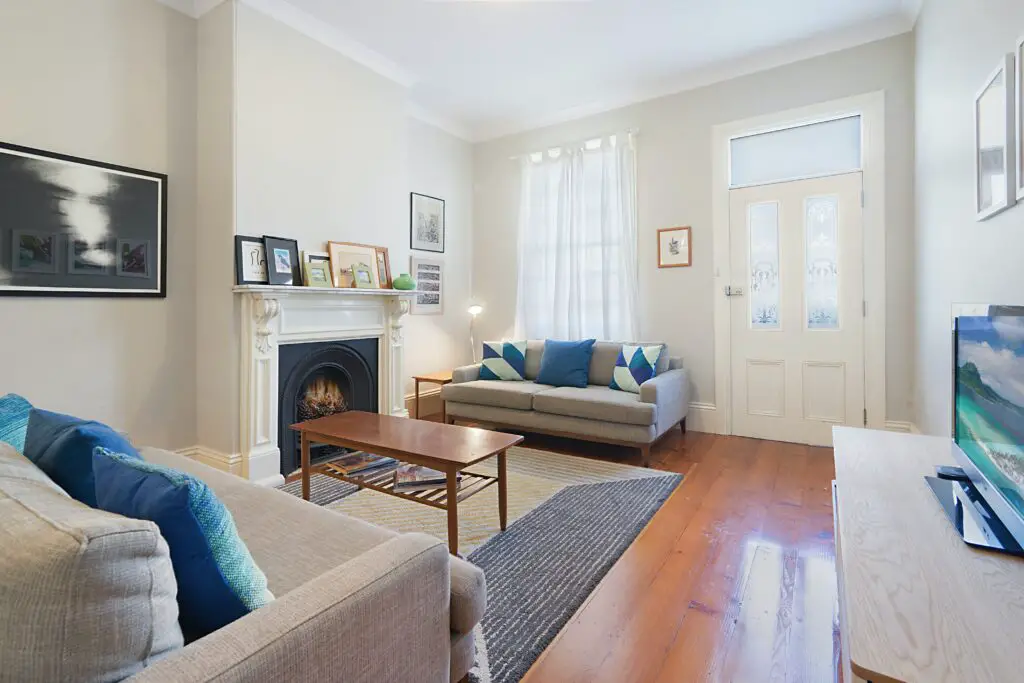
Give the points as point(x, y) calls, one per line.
point(809, 151)
point(577, 242)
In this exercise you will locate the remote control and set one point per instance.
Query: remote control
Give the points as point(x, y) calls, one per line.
point(951, 473)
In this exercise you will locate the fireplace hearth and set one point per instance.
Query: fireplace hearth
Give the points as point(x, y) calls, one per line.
point(318, 379)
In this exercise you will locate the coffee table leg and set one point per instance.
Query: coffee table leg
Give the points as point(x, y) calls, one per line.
point(453, 512)
point(502, 491)
point(417, 401)
point(305, 466)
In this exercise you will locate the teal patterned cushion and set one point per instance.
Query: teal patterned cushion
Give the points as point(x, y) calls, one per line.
point(635, 365)
point(218, 581)
point(14, 412)
point(504, 361)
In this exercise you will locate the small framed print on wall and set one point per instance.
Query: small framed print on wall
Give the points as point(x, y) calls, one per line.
point(426, 223)
point(675, 248)
point(250, 261)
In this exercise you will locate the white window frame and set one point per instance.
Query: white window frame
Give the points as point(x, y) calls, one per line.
point(870, 107)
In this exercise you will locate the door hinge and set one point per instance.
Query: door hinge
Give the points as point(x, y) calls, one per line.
point(865, 417)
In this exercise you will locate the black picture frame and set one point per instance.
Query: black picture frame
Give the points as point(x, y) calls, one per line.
point(415, 243)
point(274, 245)
point(135, 208)
point(241, 254)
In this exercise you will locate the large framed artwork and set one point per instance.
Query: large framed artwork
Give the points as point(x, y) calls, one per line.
point(429, 276)
point(426, 223)
point(995, 146)
point(78, 227)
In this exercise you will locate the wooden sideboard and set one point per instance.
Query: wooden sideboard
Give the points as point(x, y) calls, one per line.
point(915, 602)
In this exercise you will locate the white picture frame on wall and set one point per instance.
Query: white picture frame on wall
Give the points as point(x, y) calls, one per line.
point(995, 166)
point(1019, 97)
point(429, 276)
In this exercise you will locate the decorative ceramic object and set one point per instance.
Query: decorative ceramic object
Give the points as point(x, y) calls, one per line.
point(404, 282)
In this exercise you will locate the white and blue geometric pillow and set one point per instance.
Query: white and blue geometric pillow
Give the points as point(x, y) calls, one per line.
point(504, 361)
point(636, 365)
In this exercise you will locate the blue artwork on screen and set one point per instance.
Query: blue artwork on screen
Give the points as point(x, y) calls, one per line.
point(990, 400)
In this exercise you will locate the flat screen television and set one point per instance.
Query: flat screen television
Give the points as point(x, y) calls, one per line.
point(988, 414)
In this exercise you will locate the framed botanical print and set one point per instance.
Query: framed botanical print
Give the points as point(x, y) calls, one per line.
point(283, 267)
point(675, 249)
point(429, 276)
point(426, 223)
point(994, 141)
point(77, 227)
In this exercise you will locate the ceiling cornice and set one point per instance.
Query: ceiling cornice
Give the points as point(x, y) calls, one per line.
point(912, 8)
point(751, 64)
point(431, 118)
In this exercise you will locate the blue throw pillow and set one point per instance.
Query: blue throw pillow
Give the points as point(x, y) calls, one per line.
point(14, 412)
point(62, 446)
point(504, 360)
point(218, 581)
point(636, 365)
point(566, 364)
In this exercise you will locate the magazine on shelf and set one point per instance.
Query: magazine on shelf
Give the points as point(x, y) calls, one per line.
point(419, 478)
point(359, 462)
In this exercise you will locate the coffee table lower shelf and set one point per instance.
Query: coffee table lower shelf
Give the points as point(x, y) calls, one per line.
point(383, 481)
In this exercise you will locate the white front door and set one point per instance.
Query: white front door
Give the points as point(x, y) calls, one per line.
point(797, 319)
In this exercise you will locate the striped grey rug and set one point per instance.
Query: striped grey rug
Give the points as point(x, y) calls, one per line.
point(542, 569)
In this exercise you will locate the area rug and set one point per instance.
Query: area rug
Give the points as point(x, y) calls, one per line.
point(570, 519)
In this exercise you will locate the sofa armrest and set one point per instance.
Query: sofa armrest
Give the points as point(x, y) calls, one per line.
point(468, 373)
point(670, 391)
point(382, 616)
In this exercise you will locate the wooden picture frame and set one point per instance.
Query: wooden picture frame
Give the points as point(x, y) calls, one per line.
point(384, 268)
point(362, 276)
point(345, 255)
point(675, 247)
point(994, 142)
point(317, 274)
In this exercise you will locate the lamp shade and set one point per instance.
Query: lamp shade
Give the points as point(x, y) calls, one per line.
point(475, 310)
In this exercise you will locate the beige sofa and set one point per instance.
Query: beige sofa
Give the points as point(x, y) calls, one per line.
point(89, 596)
point(595, 413)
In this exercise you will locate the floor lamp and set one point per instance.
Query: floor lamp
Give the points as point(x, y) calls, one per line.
point(474, 311)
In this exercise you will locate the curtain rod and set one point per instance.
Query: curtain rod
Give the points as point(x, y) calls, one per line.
point(575, 143)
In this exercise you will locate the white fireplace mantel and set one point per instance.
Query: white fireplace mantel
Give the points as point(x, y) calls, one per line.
point(275, 315)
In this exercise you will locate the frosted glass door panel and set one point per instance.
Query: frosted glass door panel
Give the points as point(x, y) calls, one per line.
point(763, 229)
point(822, 262)
point(818, 149)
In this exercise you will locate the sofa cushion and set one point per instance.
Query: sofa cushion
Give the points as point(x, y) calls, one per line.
point(596, 403)
point(62, 447)
point(504, 361)
point(566, 363)
point(294, 542)
point(218, 582)
point(85, 595)
point(517, 395)
point(636, 365)
point(534, 355)
point(602, 365)
point(14, 412)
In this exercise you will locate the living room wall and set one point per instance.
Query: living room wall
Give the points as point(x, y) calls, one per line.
point(115, 81)
point(958, 44)
point(674, 187)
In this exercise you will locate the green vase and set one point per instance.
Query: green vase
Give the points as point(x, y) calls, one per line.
point(404, 282)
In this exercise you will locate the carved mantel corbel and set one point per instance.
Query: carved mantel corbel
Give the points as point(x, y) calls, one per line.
point(264, 310)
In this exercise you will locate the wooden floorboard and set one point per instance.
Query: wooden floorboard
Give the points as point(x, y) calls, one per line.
point(732, 580)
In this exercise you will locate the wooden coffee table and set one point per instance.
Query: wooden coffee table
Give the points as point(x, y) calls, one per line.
point(447, 448)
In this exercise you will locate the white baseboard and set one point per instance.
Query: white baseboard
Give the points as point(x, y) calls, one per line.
point(222, 461)
point(704, 417)
point(430, 402)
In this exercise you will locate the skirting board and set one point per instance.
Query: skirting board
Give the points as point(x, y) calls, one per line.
point(430, 402)
point(905, 427)
point(703, 417)
point(222, 461)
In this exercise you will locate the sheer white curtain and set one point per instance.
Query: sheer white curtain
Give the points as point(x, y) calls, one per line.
point(577, 242)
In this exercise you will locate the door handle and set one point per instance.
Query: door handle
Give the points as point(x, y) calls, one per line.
point(733, 291)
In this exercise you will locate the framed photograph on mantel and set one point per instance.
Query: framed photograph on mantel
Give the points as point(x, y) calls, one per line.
point(429, 276)
point(426, 223)
point(78, 227)
point(250, 261)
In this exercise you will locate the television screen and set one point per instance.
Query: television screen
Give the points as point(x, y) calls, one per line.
point(989, 416)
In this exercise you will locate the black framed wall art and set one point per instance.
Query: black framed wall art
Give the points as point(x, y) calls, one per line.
point(283, 266)
point(78, 227)
point(426, 223)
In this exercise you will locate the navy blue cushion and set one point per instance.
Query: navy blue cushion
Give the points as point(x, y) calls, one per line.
point(62, 445)
point(218, 581)
point(566, 364)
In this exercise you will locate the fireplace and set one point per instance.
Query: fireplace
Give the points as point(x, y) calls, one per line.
point(319, 379)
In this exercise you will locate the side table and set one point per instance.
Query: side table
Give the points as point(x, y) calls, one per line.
point(441, 378)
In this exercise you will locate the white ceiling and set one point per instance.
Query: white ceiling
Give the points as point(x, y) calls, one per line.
point(484, 68)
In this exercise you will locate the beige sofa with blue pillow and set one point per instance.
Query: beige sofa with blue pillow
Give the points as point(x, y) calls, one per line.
point(594, 413)
point(89, 596)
